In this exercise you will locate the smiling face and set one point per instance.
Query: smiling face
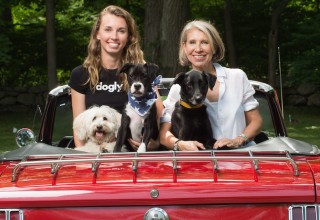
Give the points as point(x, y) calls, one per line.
point(140, 77)
point(102, 124)
point(113, 35)
point(198, 50)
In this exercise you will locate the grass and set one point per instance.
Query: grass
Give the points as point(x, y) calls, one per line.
point(10, 123)
point(304, 124)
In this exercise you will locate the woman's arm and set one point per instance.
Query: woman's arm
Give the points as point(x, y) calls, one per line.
point(159, 105)
point(168, 139)
point(78, 106)
point(254, 123)
point(155, 144)
point(253, 128)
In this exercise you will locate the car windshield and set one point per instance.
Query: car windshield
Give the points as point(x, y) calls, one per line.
point(267, 126)
point(57, 135)
point(63, 119)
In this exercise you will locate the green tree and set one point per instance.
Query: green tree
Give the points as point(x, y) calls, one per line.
point(245, 28)
point(152, 27)
point(51, 45)
point(273, 40)
point(171, 27)
point(304, 65)
point(28, 45)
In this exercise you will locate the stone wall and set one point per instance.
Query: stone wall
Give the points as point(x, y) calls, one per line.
point(304, 94)
point(22, 99)
point(26, 99)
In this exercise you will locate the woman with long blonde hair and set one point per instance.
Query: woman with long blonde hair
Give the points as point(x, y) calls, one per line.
point(114, 41)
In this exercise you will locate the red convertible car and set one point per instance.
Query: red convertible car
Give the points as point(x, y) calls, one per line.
point(279, 178)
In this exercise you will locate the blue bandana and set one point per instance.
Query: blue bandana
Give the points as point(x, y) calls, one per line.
point(142, 105)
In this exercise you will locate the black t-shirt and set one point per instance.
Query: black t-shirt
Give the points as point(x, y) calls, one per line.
point(107, 92)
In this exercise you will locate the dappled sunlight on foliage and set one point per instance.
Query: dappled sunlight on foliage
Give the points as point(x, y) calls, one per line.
point(23, 56)
point(313, 127)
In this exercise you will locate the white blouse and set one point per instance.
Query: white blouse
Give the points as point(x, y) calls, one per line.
point(227, 115)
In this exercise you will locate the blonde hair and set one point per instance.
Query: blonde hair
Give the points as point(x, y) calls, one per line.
point(132, 52)
point(214, 39)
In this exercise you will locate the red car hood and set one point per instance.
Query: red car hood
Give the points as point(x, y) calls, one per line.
point(162, 178)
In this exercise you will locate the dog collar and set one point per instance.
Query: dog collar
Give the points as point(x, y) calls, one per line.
point(186, 105)
point(142, 105)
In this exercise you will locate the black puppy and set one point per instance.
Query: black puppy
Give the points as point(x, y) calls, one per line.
point(190, 119)
point(139, 118)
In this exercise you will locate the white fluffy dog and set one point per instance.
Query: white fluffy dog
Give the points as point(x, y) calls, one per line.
point(98, 128)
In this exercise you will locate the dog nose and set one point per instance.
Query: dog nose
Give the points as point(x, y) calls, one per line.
point(99, 127)
point(137, 86)
point(199, 99)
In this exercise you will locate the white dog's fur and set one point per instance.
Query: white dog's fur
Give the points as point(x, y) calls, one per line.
point(98, 128)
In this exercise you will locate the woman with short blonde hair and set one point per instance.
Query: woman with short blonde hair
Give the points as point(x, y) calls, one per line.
point(232, 109)
point(213, 36)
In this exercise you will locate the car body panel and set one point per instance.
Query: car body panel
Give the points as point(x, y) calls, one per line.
point(279, 178)
point(259, 212)
point(315, 168)
point(234, 181)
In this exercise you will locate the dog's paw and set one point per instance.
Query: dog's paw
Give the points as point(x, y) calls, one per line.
point(107, 147)
point(104, 151)
point(142, 148)
point(125, 148)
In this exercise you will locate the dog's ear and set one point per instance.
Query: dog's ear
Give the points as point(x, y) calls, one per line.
point(211, 79)
point(80, 125)
point(178, 79)
point(152, 69)
point(118, 122)
point(125, 68)
point(115, 117)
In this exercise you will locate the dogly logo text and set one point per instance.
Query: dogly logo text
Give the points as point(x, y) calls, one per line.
point(110, 88)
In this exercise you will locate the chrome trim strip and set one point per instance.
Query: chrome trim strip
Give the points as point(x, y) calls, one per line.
point(294, 164)
point(7, 213)
point(304, 212)
point(59, 90)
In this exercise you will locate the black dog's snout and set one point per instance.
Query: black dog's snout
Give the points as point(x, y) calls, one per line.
point(137, 86)
point(198, 99)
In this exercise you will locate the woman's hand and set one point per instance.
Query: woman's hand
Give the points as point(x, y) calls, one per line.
point(134, 144)
point(190, 146)
point(232, 143)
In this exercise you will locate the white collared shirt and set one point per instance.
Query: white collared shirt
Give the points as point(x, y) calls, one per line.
point(227, 114)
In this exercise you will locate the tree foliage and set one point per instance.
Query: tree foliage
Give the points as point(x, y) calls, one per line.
point(304, 46)
point(23, 54)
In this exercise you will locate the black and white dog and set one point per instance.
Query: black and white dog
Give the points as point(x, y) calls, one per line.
point(190, 119)
point(139, 118)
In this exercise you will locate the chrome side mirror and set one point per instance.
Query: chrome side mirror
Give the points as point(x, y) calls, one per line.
point(25, 137)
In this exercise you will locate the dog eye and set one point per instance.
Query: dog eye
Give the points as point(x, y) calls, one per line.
point(94, 118)
point(105, 118)
point(189, 85)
